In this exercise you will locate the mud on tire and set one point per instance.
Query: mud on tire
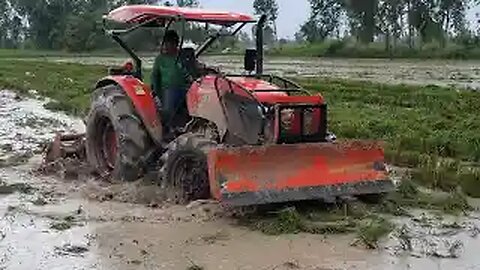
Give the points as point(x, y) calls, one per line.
point(116, 137)
point(184, 171)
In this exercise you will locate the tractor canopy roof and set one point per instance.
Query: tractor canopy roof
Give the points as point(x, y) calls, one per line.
point(137, 14)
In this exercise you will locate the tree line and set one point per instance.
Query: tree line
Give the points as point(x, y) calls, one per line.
point(389, 20)
point(76, 25)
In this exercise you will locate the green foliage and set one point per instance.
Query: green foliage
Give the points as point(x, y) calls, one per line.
point(372, 230)
point(324, 20)
point(432, 21)
point(448, 175)
point(409, 195)
point(323, 219)
point(69, 85)
point(75, 26)
point(362, 18)
point(456, 203)
point(470, 181)
point(285, 221)
point(438, 173)
point(187, 3)
point(351, 49)
point(267, 7)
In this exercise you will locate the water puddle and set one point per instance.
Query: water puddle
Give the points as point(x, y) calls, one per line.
point(27, 126)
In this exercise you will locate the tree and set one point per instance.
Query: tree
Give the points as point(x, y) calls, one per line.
point(323, 21)
point(389, 17)
point(458, 16)
point(16, 29)
point(425, 16)
point(269, 8)
point(4, 9)
point(64, 24)
point(362, 16)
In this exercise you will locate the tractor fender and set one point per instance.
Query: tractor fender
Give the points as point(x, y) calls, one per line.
point(203, 103)
point(141, 97)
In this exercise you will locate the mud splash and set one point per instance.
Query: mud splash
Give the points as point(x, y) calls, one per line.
point(47, 222)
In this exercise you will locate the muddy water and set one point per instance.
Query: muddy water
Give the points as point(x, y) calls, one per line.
point(87, 224)
point(464, 74)
point(26, 125)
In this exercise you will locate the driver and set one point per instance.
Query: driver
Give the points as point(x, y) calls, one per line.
point(169, 78)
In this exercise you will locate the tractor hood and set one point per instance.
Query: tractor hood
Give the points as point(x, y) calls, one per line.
point(253, 84)
point(265, 92)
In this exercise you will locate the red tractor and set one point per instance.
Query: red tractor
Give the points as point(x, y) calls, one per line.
point(243, 139)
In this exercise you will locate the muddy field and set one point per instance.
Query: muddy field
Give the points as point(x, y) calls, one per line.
point(65, 221)
point(462, 74)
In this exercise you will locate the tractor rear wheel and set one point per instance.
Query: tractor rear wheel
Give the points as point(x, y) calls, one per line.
point(184, 170)
point(116, 137)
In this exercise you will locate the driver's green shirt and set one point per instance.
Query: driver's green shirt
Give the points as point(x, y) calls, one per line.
point(168, 73)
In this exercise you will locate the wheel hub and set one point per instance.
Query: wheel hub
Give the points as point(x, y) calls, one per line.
point(109, 144)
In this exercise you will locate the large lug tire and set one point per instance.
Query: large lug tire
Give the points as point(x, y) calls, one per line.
point(116, 137)
point(184, 171)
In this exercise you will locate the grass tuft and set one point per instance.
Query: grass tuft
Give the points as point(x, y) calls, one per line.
point(372, 230)
point(409, 195)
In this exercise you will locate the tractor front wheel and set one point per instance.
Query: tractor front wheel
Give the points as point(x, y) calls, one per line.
point(116, 137)
point(184, 170)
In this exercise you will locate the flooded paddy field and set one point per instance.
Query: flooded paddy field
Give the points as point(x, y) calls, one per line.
point(461, 74)
point(58, 222)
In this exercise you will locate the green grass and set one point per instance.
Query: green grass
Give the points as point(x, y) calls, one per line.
point(69, 84)
point(349, 49)
point(414, 121)
point(372, 230)
point(353, 217)
point(314, 219)
point(13, 53)
point(61, 225)
point(409, 195)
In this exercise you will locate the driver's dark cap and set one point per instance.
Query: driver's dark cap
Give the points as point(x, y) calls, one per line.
point(171, 36)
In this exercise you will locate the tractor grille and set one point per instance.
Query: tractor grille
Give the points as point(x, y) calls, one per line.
point(301, 123)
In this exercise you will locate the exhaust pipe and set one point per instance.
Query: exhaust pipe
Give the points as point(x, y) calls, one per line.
point(259, 45)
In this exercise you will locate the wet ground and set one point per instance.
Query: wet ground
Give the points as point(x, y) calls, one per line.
point(463, 74)
point(49, 222)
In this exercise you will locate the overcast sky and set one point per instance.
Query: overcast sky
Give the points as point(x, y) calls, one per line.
point(292, 12)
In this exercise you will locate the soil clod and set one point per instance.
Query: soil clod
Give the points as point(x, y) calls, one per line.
point(71, 250)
